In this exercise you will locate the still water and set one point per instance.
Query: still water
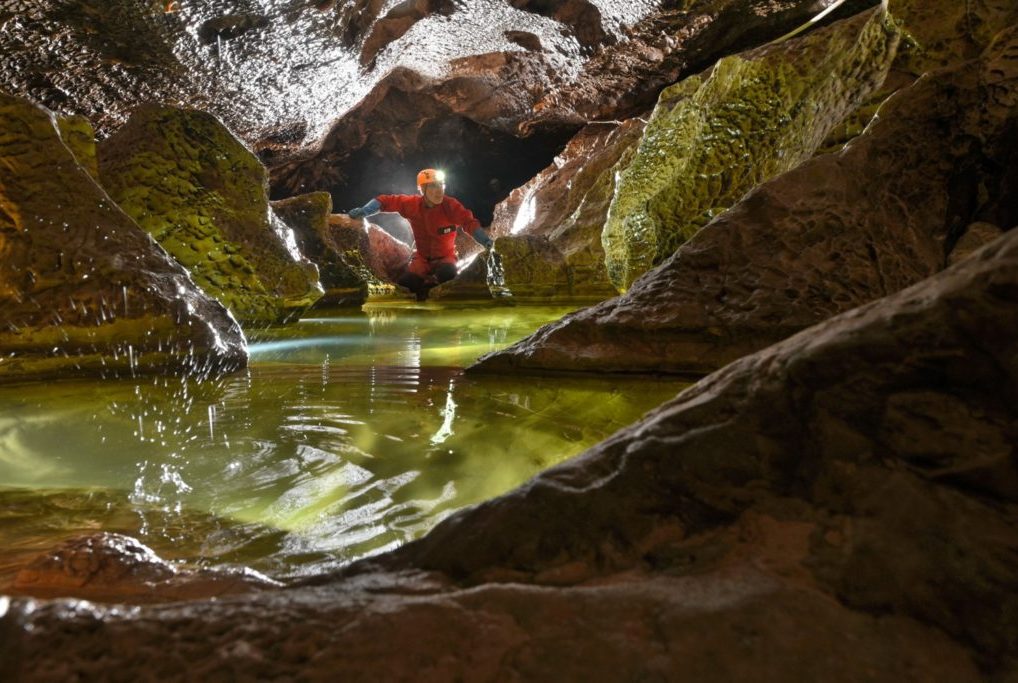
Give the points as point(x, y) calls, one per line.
point(347, 435)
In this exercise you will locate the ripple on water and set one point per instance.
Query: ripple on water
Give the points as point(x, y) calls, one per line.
point(316, 455)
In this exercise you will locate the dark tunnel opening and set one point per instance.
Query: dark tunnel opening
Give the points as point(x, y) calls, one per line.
point(482, 165)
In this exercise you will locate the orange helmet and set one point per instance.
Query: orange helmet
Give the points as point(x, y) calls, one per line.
point(430, 175)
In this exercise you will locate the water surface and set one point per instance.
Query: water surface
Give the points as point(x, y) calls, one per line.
point(348, 434)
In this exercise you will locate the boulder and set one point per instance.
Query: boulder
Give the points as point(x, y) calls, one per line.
point(791, 517)
point(83, 290)
point(566, 204)
point(714, 137)
point(203, 196)
point(839, 231)
point(308, 215)
point(375, 256)
point(113, 568)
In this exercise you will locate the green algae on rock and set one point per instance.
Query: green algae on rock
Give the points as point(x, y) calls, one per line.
point(203, 196)
point(83, 290)
point(715, 136)
point(79, 136)
point(838, 231)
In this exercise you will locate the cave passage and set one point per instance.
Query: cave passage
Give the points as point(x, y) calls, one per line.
point(482, 165)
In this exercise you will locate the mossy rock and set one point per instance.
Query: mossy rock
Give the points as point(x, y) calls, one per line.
point(79, 136)
point(203, 195)
point(715, 136)
point(83, 290)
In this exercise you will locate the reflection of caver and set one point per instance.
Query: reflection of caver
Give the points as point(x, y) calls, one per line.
point(435, 219)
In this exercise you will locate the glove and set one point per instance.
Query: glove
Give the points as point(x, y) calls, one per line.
point(369, 209)
point(482, 237)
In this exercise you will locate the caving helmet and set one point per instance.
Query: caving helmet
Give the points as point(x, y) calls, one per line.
point(430, 175)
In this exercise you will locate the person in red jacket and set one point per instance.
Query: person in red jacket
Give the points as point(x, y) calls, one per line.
point(434, 218)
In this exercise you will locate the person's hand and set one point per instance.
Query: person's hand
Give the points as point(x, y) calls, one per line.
point(346, 221)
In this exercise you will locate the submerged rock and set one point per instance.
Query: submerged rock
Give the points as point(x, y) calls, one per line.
point(792, 517)
point(837, 232)
point(714, 137)
point(204, 197)
point(83, 290)
point(113, 568)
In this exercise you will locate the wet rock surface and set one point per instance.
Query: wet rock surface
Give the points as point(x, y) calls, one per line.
point(838, 231)
point(308, 215)
point(115, 568)
point(567, 203)
point(782, 509)
point(83, 290)
point(204, 197)
point(713, 137)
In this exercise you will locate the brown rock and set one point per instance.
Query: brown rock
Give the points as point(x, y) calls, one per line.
point(113, 567)
point(83, 290)
point(309, 217)
point(974, 238)
point(567, 203)
point(375, 255)
point(776, 521)
point(838, 231)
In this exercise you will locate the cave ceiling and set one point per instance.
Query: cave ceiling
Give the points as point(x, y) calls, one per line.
point(353, 97)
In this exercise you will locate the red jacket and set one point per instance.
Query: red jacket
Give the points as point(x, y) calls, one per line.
point(434, 228)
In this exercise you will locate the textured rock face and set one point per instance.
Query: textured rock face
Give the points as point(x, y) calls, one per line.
point(372, 256)
point(308, 216)
point(411, 113)
point(794, 509)
point(837, 232)
point(83, 290)
point(203, 196)
point(753, 116)
point(567, 204)
point(108, 566)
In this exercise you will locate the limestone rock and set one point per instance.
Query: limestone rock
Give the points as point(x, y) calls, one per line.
point(374, 256)
point(79, 136)
point(713, 138)
point(974, 238)
point(83, 290)
point(113, 567)
point(567, 203)
point(949, 33)
point(397, 21)
point(780, 510)
point(308, 216)
point(470, 284)
point(203, 196)
point(556, 90)
point(837, 232)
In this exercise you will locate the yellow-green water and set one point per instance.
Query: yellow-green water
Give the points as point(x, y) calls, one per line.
point(347, 435)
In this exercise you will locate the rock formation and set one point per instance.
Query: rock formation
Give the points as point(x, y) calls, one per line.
point(114, 567)
point(838, 231)
point(753, 116)
point(83, 290)
point(791, 517)
point(204, 197)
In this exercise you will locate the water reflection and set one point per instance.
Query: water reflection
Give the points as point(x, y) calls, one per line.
point(346, 436)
